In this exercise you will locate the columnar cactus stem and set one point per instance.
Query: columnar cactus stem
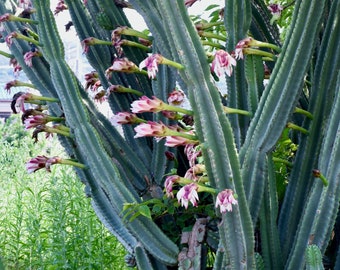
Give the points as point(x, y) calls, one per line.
point(219, 158)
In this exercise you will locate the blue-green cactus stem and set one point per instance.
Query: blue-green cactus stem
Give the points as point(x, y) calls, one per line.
point(203, 95)
point(279, 98)
point(324, 85)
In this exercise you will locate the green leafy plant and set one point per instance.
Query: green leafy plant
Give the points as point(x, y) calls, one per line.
point(47, 222)
point(218, 154)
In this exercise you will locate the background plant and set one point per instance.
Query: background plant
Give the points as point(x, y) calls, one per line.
point(46, 221)
point(234, 133)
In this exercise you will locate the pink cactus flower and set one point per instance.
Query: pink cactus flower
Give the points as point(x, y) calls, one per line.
point(122, 118)
point(223, 62)
point(150, 129)
point(188, 193)
point(275, 9)
point(116, 33)
point(41, 162)
point(61, 6)
point(9, 38)
point(194, 172)
point(244, 43)
point(86, 43)
point(34, 121)
point(19, 101)
point(145, 104)
point(151, 63)
point(225, 199)
point(5, 17)
point(192, 153)
point(16, 67)
point(29, 56)
point(174, 141)
point(176, 97)
point(168, 184)
point(189, 3)
point(11, 84)
point(24, 4)
point(121, 65)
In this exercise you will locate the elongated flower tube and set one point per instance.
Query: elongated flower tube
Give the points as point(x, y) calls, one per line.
point(123, 65)
point(9, 39)
point(7, 17)
point(249, 42)
point(145, 104)
point(124, 30)
point(17, 83)
point(122, 118)
point(41, 162)
point(122, 89)
point(150, 129)
point(91, 41)
point(174, 141)
point(40, 119)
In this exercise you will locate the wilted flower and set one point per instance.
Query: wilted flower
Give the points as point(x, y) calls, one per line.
point(176, 97)
point(91, 79)
point(61, 6)
point(100, 96)
point(193, 172)
point(5, 17)
point(116, 33)
point(189, 3)
point(9, 38)
point(122, 65)
point(188, 193)
point(150, 129)
point(87, 42)
point(223, 62)
point(19, 101)
point(16, 67)
point(244, 43)
point(168, 184)
point(225, 199)
point(29, 56)
point(192, 153)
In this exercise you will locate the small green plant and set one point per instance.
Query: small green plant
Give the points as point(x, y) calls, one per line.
point(46, 222)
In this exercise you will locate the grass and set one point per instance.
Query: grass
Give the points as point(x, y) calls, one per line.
point(46, 221)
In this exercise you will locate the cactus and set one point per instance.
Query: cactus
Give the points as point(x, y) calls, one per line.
point(224, 177)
